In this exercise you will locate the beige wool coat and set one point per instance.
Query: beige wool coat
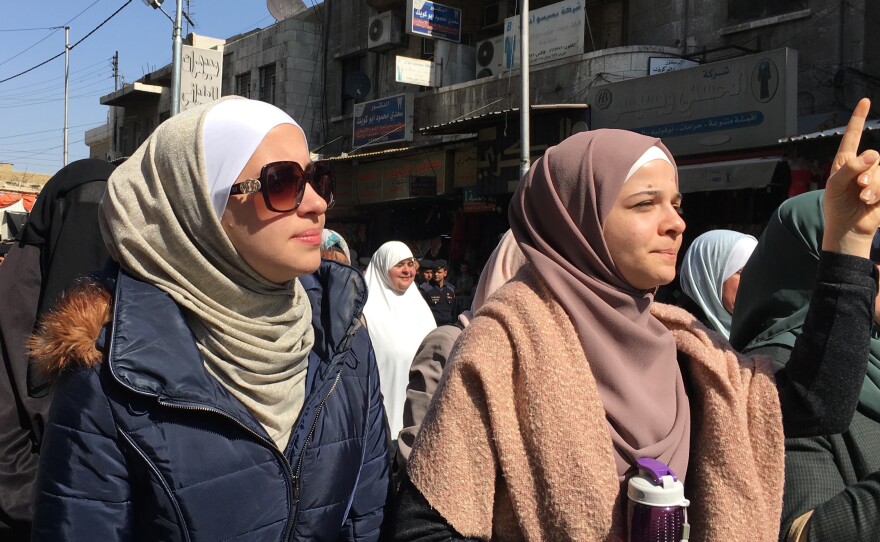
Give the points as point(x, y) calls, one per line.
point(516, 444)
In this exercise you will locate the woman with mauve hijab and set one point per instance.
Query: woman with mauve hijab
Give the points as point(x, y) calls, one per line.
point(570, 372)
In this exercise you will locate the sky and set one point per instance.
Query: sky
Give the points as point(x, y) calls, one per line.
point(32, 105)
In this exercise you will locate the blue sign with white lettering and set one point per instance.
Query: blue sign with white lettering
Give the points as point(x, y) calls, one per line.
point(434, 20)
point(382, 121)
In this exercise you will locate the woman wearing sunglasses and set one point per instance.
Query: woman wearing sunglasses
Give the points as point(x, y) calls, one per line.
point(570, 374)
point(218, 385)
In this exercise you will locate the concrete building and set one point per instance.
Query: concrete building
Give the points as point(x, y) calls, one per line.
point(280, 64)
point(421, 118)
point(774, 74)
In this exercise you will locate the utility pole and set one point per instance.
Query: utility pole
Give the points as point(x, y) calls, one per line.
point(116, 71)
point(66, 84)
point(176, 60)
point(111, 121)
point(525, 140)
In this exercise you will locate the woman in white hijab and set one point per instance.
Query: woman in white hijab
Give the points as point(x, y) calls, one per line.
point(398, 319)
point(710, 272)
point(205, 385)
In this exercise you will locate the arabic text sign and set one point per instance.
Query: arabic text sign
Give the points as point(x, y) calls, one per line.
point(433, 20)
point(387, 120)
point(657, 65)
point(201, 72)
point(555, 31)
point(741, 103)
point(414, 71)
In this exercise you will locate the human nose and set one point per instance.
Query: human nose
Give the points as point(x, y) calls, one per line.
point(673, 223)
point(311, 202)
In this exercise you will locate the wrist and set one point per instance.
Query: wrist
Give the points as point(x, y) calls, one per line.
point(851, 243)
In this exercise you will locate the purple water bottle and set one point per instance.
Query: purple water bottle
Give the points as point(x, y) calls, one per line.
point(657, 509)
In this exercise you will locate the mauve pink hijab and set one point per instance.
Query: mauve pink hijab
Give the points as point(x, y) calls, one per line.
point(557, 216)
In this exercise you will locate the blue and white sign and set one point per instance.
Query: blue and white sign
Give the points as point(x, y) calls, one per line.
point(388, 120)
point(555, 31)
point(433, 20)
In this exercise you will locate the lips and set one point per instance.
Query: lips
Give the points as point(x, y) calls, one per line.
point(671, 253)
point(309, 237)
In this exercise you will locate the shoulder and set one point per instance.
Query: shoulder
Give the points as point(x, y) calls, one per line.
point(523, 315)
point(441, 337)
point(65, 338)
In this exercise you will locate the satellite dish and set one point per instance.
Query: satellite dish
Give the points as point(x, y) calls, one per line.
point(283, 9)
point(356, 85)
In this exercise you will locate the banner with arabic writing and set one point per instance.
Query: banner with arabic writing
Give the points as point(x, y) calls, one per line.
point(555, 31)
point(433, 20)
point(388, 120)
point(741, 103)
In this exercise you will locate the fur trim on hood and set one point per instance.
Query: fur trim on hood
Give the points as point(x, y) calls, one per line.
point(66, 336)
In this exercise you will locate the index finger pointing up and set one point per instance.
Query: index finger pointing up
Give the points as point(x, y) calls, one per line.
point(849, 144)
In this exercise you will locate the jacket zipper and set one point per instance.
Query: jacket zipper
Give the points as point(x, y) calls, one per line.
point(288, 470)
point(302, 454)
point(291, 479)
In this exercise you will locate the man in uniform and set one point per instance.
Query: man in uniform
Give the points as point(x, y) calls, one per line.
point(439, 294)
point(425, 274)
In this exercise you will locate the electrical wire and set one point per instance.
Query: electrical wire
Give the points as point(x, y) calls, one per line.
point(69, 48)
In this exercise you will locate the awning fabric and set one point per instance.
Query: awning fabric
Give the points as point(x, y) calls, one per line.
point(472, 121)
point(729, 175)
point(10, 198)
point(831, 132)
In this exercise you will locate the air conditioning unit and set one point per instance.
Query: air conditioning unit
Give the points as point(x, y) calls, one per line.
point(385, 31)
point(494, 14)
point(490, 56)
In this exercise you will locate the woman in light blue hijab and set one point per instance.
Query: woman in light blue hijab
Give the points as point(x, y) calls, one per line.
point(710, 274)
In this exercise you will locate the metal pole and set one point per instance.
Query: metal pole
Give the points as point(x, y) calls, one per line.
point(176, 60)
point(525, 140)
point(66, 84)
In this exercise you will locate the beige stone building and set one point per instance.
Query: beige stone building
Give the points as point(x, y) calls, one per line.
point(18, 190)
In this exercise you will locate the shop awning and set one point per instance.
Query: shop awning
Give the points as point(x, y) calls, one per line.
point(831, 132)
point(728, 175)
point(132, 94)
point(383, 152)
point(475, 120)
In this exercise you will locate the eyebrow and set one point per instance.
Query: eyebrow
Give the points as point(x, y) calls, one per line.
point(654, 194)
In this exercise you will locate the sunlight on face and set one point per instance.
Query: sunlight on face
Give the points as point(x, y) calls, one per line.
point(402, 275)
point(644, 228)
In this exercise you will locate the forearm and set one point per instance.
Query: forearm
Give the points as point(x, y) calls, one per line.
point(416, 520)
point(820, 384)
point(852, 515)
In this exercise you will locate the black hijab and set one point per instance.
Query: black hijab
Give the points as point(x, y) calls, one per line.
point(63, 225)
point(60, 242)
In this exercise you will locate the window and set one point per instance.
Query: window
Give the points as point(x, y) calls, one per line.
point(355, 83)
point(740, 11)
point(136, 134)
point(606, 24)
point(243, 84)
point(267, 83)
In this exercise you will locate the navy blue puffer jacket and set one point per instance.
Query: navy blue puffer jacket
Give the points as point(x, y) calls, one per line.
point(146, 445)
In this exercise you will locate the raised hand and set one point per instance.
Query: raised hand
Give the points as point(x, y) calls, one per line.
point(852, 194)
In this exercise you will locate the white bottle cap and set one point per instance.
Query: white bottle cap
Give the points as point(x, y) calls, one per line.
point(643, 490)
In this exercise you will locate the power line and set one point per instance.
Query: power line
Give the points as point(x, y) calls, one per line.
point(69, 48)
point(93, 124)
point(28, 29)
point(48, 91)
point(36, 83)
point(89, 95)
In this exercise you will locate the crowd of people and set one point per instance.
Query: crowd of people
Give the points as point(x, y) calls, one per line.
point(189, 354)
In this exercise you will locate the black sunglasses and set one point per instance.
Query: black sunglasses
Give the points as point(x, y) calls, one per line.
point(284, 183)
